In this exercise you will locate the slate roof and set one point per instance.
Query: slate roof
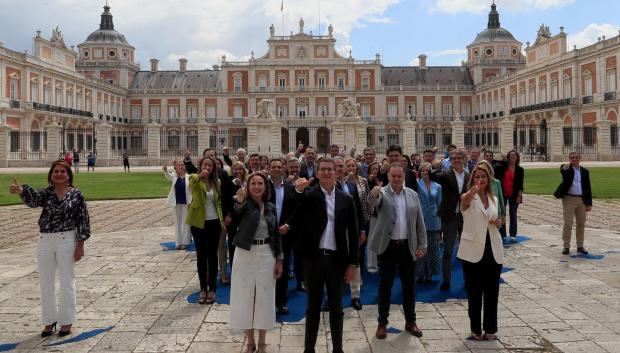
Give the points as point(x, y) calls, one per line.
point(176, 80)
point(414, 75)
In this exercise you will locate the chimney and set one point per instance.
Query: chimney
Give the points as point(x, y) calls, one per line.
point(422, 59)
point(183, 64)
point(154, 63)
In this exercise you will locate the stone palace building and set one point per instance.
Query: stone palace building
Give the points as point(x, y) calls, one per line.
point(543, 100)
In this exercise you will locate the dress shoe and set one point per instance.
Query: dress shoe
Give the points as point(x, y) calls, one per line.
point(381, 332)
point(582, 250)
point(565, 251)
point(48, 332)
point(283, 310)
point(301, 287)
point(413, 329)
point(445, 286)
point(356, 304)
point(513, 239)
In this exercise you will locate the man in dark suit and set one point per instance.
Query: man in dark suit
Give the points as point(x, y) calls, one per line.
point(283, 196)
point(576, 194)
point(453, 184)
point(350, 188)
point(327, 229)
point(395, 155)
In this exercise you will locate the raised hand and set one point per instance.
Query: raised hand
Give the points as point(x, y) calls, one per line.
point(376, 190)
point(302, 183)
point(203, 174)
point(15, 187)
point(290, 178)
point(241, 193)
point(164, 168)
point(385, 166)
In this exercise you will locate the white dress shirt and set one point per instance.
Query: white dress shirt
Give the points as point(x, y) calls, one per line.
point(399, 231)
point(575, 188)
point(328, 239)
point(460, 180)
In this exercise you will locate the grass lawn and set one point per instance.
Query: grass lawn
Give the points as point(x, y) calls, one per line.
point(604, 181)
point(96, 186)
point(110, 186)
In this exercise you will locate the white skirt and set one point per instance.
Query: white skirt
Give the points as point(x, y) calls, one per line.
point(253, 289)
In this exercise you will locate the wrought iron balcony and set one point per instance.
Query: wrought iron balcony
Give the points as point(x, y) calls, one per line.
point(540, 106)
point(587, 100)
point(447, 118)
point(135, 121)
point(61, 110)
point(366, 119)
point(14, 104)
point(610, 96)
point(211, 120)
point(392, 118)
point(192, 120)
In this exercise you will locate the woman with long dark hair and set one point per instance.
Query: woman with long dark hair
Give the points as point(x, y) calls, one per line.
point(64, 225)
point(207, 223)
point(511, 175)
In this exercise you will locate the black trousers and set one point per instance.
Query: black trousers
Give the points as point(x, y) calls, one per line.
point(282, 282)
point(451, 229)
point(207, 241)
point(396, 255)
point(482, 285)
point(298, 265)
point(512, 214)
point(319, 272)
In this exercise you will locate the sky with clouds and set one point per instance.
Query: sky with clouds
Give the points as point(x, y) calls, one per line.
point(203, 30)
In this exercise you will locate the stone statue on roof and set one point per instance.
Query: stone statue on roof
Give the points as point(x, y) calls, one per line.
point(264, 109)
point(301, 25)
point(330, 30)
point(543, 33)
point(57, 38)
point(272, 30)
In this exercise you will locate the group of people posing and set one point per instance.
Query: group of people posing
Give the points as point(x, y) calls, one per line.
point(333, 217)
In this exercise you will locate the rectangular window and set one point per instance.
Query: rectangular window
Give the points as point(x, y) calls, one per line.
point(321, 82)
point(447, 110)
point(392, 110)
point(192, 111)
point(410, 110)
point(238, 84)
point(611, 80)
point(568, 91)
point(588, 91)
point(173, 111)
point(136, 111)
point(69, 100)
point(13, 89)
point(282, 111)
point(59, 97)
point(466, 110)
point(340, 82)
point(532, 96)
point(282, 82)
point(365, 110)
point(365, 83)
point(88, 104)
point(34, 92)
point(589, 135)
point(554, 91)
point(155, 111)
point(262, 83)
point(47, 95)
point(429, 109)
point(78, 101)
point(210, 111)
point(322, 109)
point(237, 111)
point(302, 82)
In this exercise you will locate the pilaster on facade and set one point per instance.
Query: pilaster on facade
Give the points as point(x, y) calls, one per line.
point(54, 141)
point(603, 139)
point(154, 142)
point(5, 145)
point(409, 137)
point(555, 126)
point(458, 132)
point(506, 129)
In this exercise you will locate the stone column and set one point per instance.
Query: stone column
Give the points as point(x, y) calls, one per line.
point(458, 131)
point(203, 136)
point(506, 133)
point(603, 140)
point(104, 155)
point(5, 145)
point(347, 134)
point(555, 138)
point(54, 141)
point(265, 137)
point(409, 141)
point(154, 143)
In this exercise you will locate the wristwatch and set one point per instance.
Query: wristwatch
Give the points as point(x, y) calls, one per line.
point(287, 226)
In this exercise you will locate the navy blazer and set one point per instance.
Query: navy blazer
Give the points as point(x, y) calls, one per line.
point(567, 181)
point(310, 219)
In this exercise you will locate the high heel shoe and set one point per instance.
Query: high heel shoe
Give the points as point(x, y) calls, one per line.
point(46, 333)
point(62, 333)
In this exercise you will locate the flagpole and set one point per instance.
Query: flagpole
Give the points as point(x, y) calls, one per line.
point(318, 6)
point(282, 14)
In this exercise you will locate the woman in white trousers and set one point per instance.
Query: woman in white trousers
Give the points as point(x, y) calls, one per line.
point(64, 225)
point(178, 199)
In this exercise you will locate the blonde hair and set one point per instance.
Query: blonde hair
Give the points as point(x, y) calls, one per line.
point(489, 188)
point(245, 171)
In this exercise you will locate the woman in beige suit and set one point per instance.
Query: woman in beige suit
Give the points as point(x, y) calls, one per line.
point(482, 253)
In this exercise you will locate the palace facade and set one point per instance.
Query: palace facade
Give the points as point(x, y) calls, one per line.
point(545, 103)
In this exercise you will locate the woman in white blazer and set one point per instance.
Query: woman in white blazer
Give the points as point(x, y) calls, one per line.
point(482, 253)
point(178, 198)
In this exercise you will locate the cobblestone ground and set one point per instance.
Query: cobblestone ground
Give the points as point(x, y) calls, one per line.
point(550, 303)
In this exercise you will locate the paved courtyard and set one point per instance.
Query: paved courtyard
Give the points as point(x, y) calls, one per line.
point(133, 297)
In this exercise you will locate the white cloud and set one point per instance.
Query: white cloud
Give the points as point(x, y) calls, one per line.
point(591, 34)
point(482, 6)
point(203, 30)
point(447, 52)
point(415, 62)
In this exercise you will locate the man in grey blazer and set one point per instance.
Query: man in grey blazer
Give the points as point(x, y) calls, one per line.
point(398, 235)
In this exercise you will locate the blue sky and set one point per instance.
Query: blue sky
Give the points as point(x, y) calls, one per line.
point(203, 30)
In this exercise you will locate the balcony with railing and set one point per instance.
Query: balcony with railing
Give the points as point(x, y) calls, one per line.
point(13, 103)
point(610, 96)
point(366, 119)
point(61, 110)
point(392, 118)
point(541, 106)
point(135, 121)
point(587, 100)
point(192, 120)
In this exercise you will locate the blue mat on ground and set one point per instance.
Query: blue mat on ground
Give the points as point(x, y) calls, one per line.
point(8, 347)
point(173, 246)
point(425, 293)
point(588, 256)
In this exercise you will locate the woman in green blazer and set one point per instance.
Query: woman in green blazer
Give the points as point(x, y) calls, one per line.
point(206, 223)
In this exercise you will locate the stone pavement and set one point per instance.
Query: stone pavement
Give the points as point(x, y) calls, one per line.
point(132, 296)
